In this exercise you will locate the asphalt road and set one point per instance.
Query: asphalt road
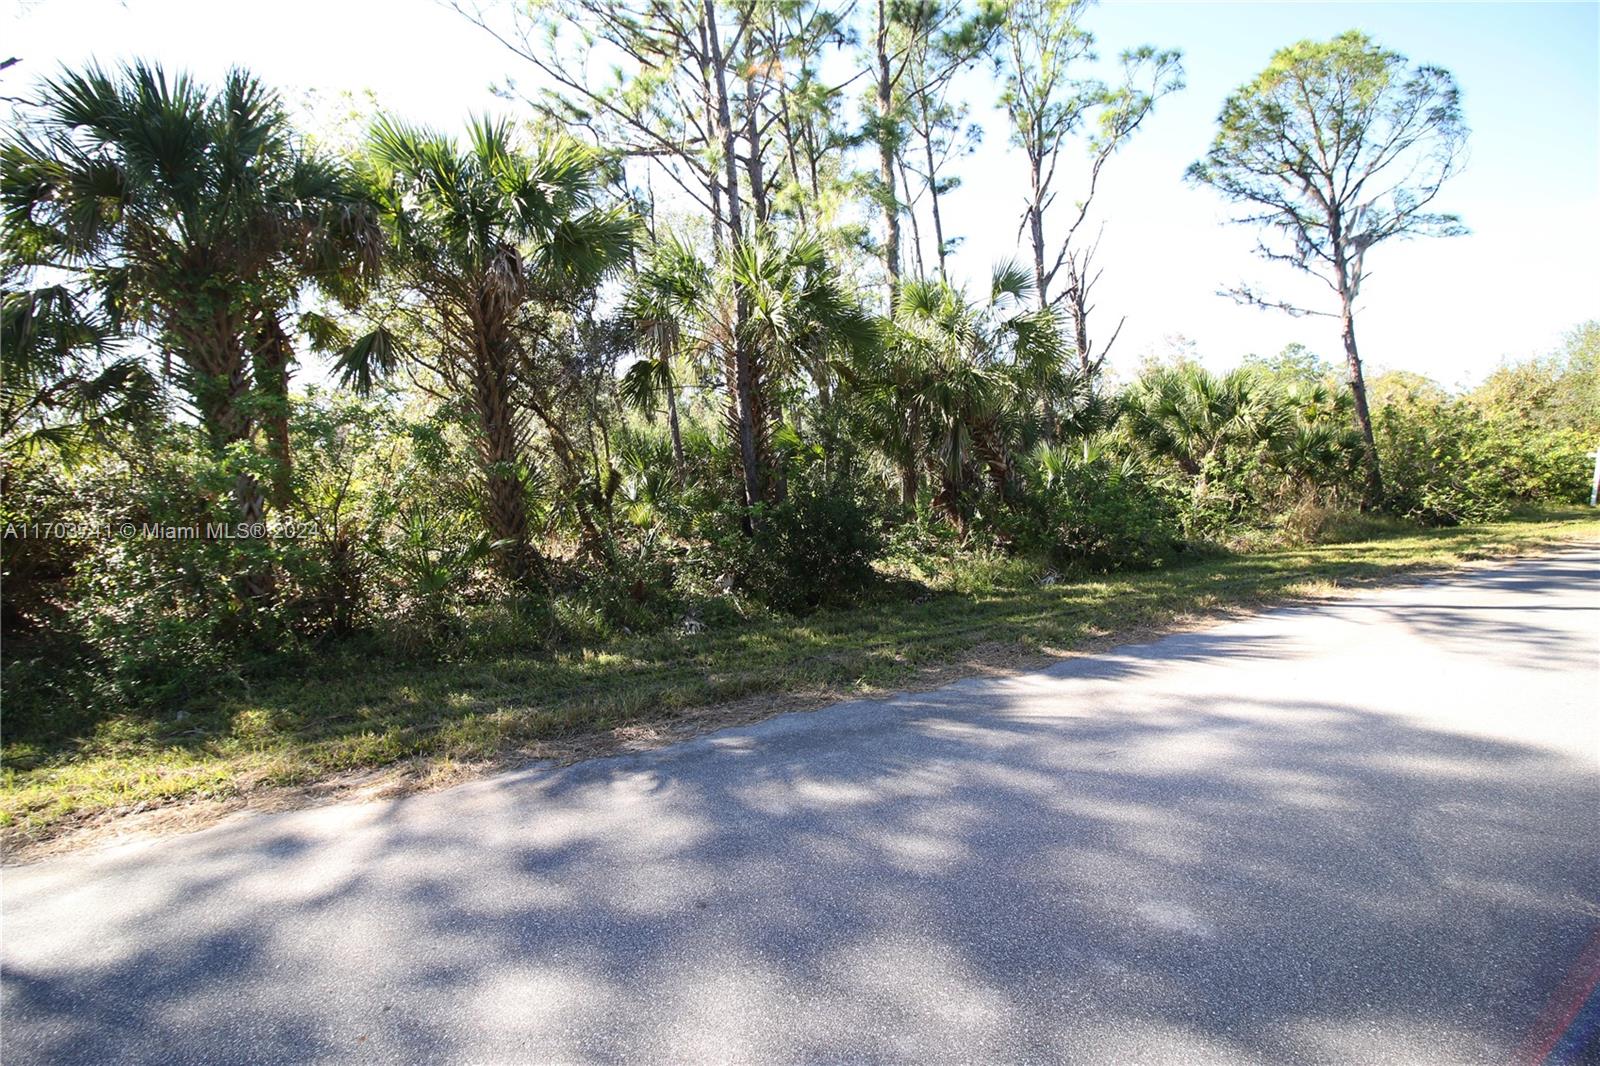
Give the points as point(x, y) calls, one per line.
point(1364, 831)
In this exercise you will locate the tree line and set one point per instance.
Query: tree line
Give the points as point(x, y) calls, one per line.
point(682, 342)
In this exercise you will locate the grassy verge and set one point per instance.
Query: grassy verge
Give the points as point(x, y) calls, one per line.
point(348, 712)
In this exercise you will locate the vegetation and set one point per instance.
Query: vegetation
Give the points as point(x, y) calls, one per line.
point(301, 718)
point(1337, 147)
point(584, 455)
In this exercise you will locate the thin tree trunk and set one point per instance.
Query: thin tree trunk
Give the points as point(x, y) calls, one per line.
point(713, 185)
point(1077, 301)
point(938, 222)
point(886, 156)
point(679, 465)
point(1373, 496)
point(754, 168)
point(789, 150)
point(1036, 229)
point(744, 371)
point(916, 228)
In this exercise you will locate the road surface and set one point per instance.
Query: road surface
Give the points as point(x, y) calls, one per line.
point(1360, 831)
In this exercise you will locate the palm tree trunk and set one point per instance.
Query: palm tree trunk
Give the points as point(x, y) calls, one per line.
point(996, 458)
point(499, 449)
point(909, 479)
point(273, 354)
point(219, 363)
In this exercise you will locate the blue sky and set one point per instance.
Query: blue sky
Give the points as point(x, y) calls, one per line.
point(1529, 73)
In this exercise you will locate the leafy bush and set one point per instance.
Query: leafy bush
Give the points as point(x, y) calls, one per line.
point(38, 497)
point(1095, 516)
point(815, 549)
point(1445, 462)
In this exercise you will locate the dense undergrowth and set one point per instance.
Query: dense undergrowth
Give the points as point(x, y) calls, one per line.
point(289, 719)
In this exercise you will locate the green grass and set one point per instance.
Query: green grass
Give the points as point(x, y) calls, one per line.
point(349, 711)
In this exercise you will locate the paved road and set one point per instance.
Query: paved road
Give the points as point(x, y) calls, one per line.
point(1360, 832)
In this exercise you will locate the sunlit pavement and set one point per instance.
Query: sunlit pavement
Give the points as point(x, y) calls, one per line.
point(1362, 831)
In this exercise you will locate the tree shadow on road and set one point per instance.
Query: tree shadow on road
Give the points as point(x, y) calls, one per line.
point(1222, 879)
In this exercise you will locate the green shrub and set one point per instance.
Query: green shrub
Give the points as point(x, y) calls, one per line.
point(1094, 516)
point(1442, 462)
point(814, 549)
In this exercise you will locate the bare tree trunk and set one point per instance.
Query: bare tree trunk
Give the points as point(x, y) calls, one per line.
point(712, 184)
point(886, 156)
point(754, 168)
point(1077, 304)
point(591, 504)
point(744, 371)
point(1036, 228)
point(789, 149)
point(679, 465)
point(1082, 275)
point(916, 229)
point(938, 222)
point(1372, 497)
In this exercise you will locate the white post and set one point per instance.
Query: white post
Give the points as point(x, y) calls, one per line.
point(1594, 482)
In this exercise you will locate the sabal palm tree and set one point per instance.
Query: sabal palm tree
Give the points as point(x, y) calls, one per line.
point(969, 376)
point(800, 320)
point(63, 383)
point(1322, 447)
point(493, 245)
point(198, 217)
point(1189, 415)
point(662, 308)
point(802, 316)
point(883, 386)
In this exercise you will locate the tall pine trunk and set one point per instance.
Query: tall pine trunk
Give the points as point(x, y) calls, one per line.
point(745, 381)
point(1372, 496)
point(1036, 223)
point(938, 222)
point(886, 155)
